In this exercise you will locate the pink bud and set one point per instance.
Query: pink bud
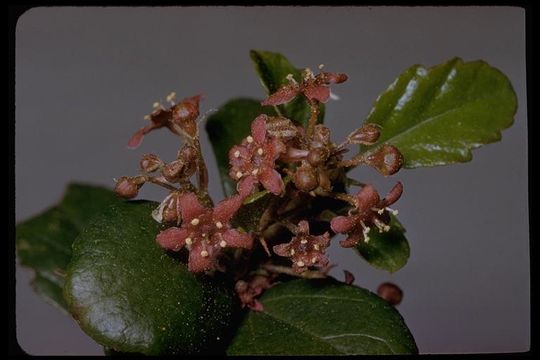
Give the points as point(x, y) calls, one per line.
point(150, 163)
point(387, 160)
point(127, 187)
point(368, 134)
point(391, 293)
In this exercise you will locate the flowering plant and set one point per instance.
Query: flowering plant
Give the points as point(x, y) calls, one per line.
point(241, 276)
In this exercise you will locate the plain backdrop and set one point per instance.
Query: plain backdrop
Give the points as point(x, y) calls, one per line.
point(85, 77)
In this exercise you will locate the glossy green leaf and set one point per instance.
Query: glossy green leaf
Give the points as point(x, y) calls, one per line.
point(436, 116)
point(44, 241)
point(386, 250)
point(227, 127)
point(322, 317)
point(129, 295)
point(273, 69)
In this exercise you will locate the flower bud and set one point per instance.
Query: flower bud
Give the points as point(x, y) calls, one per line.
point(128, 187)
point(305, 178)
point(391, 293)
point(321, 134)
point(171, 208)
point(368, 134)
point(150, 163)
point(387, 160)
point(185, 114)
point(173, 170)
point(318, 156)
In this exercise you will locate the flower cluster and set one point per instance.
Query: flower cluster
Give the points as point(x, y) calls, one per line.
point(289, 165)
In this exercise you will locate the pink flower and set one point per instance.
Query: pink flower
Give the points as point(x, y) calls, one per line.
point(305, 250)
point(312, 87)
point(204, 231)
point(179, 118)
point(247, 291)
point(369, 211)
point(253, 161)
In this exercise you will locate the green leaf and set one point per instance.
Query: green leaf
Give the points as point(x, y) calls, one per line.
point(387, 250)
point(44, 241)
point(227, 127)
point(273, 69)
point(322, 317)
point(436, 116)
point(129, 295)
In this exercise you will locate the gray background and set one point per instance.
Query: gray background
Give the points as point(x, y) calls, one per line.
point(85, 77)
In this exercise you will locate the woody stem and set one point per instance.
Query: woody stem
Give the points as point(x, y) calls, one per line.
point(202, 176)
point(161, 182)
point(358, 159)
point(314, 106)
point(289, 271)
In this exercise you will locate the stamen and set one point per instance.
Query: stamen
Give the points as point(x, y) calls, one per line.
point(303, 241)
point(381, 226)
point(300, 263)
point(321, 66)
point(171, 96)
point(249, 139)
point(316, 247)
point(291, 79)
point(313, 260)
point(146, 117)
point(292, 251)
point(239, 174)
point(393, 211)
point(260, 151)
point(255, 172)
point(155, 105)
point(189, 241)
point(237, 154)
point(365, 231)
point(195, 222)
point(219, 225)
point(223, 243)
point(204, 253)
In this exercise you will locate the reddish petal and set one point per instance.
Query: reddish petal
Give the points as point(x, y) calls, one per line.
point(334, 78)
point(194, 100)
point(256, 306)
point(197, 262)
point(235, 238)
point(367, 198)
point(246, 185)
point(172, 239)
point(343, 224)
point(190, 207)
point(273, 149)
point(303, 227)
point(271, 180)
point(393, 195)
point(136, 139)
point(239, 161)
point(225, 210)
point(352, 240)
point(283, 95)
point(282, 250)
point(258, 128)
point(320, 93)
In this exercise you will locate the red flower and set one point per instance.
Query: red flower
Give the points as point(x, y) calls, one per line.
point(312, 87)
point(304, 249)
point(179, 118)
point(369, 211)
point(204, 231)
point(253, 161)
